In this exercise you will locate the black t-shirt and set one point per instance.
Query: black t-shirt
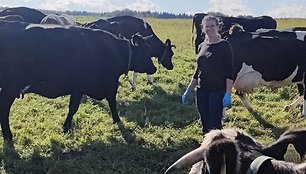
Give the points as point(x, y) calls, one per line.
point(214, 66)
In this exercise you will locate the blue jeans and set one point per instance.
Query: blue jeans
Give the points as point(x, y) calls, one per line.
point(210, 108)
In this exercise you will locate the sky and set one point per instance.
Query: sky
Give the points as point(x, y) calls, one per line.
point(274, 8)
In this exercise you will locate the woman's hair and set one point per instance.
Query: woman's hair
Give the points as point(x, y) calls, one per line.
point(210, 17)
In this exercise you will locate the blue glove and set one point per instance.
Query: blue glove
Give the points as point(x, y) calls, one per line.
point(226, 100)
point(186, 96)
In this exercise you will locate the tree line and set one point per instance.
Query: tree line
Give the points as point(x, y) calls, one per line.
point(140, 14)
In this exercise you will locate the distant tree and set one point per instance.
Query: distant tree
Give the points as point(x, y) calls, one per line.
point(126, 11)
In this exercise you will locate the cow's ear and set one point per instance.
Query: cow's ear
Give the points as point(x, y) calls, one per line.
point(137, 39)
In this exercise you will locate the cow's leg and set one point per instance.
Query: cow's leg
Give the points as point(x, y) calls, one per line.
point(113, 107)
point(304, 107)
point(149, 79)
point(244, 99)
point(6, 100)
point(133, 80)
point(294, 104)
point(74, 104)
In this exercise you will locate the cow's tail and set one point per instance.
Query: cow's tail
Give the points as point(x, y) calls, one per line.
point(223, 156)
point(188, 160)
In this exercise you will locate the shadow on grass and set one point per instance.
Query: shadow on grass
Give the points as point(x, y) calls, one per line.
point(96, 157)
point(277, 131)
point(159, 109)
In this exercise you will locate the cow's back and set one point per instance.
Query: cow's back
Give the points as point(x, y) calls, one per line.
point(28, 14)
point(130, 25)
point(59, 57)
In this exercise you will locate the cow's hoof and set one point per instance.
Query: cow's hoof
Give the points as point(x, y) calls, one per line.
point(287, 108)
point(251, 110)
point(149, 83)
point(66, 129)
point(133, 89)
point(8, 143)
point(116, 121)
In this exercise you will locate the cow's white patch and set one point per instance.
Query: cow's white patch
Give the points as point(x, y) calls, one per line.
point(24, 90)
point(248, 78)
point(304, 108)
point(255, 36)
point(300, 35)
point(145, 24)
point(223, 165)
point(44, 26)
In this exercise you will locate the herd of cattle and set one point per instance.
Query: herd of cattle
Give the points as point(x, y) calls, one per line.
point(53, 55)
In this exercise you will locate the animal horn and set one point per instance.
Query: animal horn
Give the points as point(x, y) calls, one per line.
point(187, 160)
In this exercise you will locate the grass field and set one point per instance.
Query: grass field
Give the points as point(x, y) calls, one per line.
point(156, 128)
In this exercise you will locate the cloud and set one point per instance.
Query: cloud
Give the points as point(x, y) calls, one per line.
point(288, 11)
point(229, 7)
point(143, 5)
point(90, 5)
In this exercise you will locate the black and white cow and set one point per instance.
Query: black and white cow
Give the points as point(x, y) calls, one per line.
point(229, 151)
point(28, 14)
point(128, 26)
point(59, 61)
point(271, 58)
point(195, 158)
point(300, 31)
point(249, 24)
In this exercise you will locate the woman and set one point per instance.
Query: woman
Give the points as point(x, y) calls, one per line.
point(213, 76)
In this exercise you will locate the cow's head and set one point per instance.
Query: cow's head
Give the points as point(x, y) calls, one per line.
point(141, 56)
point(215, 145)
point(166, 58)
point(162, 51)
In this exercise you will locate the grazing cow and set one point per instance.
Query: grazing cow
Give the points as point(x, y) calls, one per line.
point(232, 152)
point(11, 18)
point(127, 26)
point(28, 14)
point(249, 24)
point(62, 20)
point(53, 61)
point(272, 58)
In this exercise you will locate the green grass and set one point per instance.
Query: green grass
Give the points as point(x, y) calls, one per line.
point(156, 128)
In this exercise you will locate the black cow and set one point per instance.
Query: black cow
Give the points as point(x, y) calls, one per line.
point(58, 61)
point(272, 58)
point(233, 152)
point(129, 25)
point(249, 24)
point(28, 14)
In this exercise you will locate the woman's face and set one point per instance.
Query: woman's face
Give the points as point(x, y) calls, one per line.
point(211, 28)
